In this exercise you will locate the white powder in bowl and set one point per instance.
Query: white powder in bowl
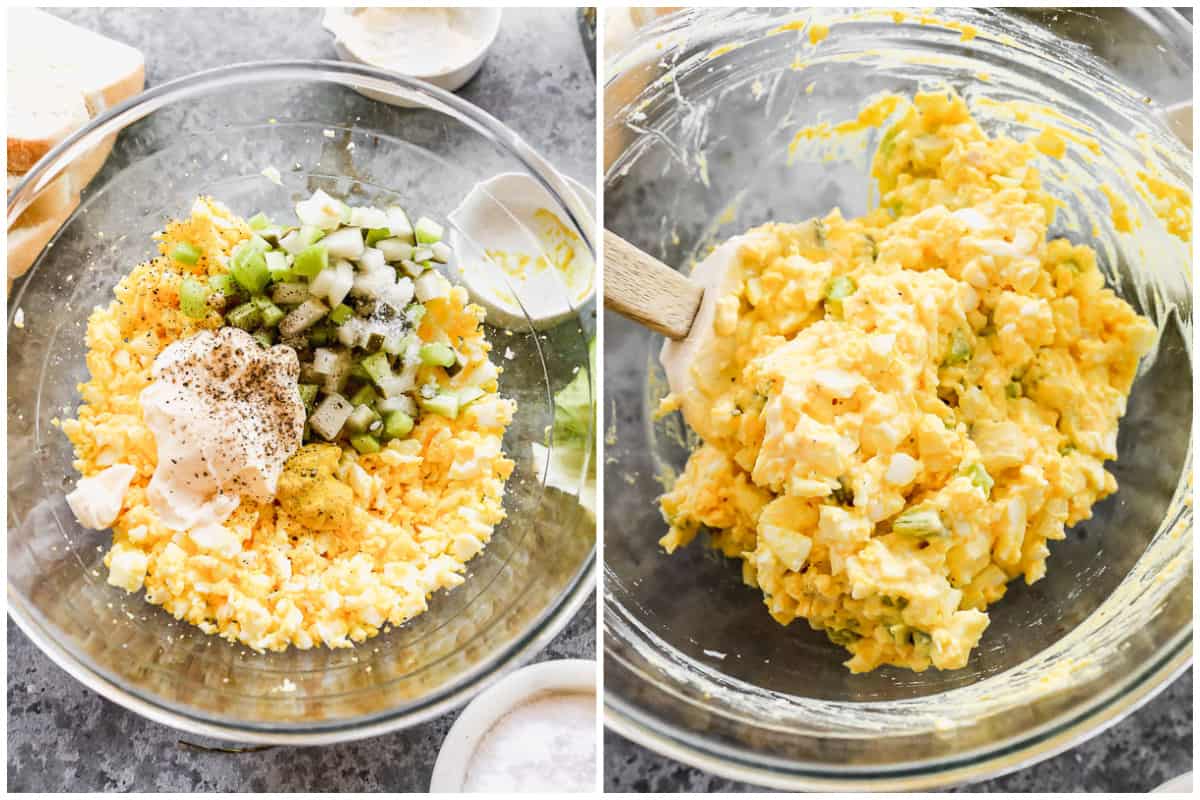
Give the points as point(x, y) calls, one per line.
point(548, 743)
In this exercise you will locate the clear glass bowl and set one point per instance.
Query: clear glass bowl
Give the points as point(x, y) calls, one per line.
point(699, 114)
point(213, 133)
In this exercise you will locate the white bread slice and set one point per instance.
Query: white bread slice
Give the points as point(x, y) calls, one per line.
point(40, 115)
point(59, 75)
point(106, 71)
point(48, 58)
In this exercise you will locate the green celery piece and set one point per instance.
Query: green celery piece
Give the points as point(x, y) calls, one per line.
point(365, 444)
point(377, 367)
point(310, 261)
point(437, 355)
point(397, 425)
point(193, 298)
point(186, 253)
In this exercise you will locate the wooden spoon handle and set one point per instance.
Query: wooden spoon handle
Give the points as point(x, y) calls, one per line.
point(647, 291)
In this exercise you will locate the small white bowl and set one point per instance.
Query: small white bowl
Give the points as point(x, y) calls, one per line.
point(501, 233)
point(484, 24)
point(567, 676)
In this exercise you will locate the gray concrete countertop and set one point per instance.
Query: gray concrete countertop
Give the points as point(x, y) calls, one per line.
point(63, 737)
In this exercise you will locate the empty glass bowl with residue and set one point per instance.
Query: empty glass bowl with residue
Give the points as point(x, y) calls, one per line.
point(700, 112)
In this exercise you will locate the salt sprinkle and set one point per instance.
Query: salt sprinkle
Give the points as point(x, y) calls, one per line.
point(546, 744)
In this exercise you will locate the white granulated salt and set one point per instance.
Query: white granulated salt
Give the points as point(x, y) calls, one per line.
point(546, 744)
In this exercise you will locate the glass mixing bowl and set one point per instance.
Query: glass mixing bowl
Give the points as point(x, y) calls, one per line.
point(700, 112)
point(304, 119)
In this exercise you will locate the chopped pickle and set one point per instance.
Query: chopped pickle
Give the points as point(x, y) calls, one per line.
point(340, 314)
point(361, 419)
point(366, 396)
point(247, 316)
point(308, 395)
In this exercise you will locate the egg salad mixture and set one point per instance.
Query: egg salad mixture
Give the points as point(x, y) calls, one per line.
point(289, 448)
point(900, 410)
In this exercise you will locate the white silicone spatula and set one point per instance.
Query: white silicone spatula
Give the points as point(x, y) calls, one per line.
point(645, 290)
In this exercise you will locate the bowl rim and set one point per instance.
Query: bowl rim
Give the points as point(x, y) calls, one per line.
point(652, 731)
point(545, 625)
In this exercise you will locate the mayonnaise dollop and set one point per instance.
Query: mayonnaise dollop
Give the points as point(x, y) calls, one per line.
point(226, 414)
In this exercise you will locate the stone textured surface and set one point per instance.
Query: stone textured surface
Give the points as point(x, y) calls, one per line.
point(1141, 752)
point(63, 737)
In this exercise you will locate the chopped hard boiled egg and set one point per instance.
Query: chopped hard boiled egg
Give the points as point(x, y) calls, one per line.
point(899, 411)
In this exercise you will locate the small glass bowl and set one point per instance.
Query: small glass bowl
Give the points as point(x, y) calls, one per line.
point(700, 112)
point(214, 133)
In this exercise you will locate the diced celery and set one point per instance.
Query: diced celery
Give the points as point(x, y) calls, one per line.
point(979, 476)
point(311, 260)
point(340, 314)
point(259, 221)
point(376, 235)
point(377, 367)
point(193, 298)
point(427, 231)
point(920, 522)
point(249, 268)
point(247, 316)
point(225, 284)
point(840, 288)
point(438, 355)
point(264, 337)
point(365, 444)
point(319, 336)
point(397, 425)
point(185, 253)
point(366, 396)
point(278, 266)
point(272, 314)
point(959, 351)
